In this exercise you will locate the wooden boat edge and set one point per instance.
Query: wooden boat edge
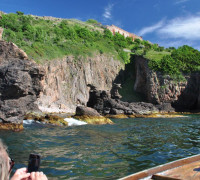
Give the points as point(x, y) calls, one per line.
point(150, 172)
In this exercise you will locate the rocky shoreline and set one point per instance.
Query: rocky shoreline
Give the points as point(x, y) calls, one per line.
point(26, 88)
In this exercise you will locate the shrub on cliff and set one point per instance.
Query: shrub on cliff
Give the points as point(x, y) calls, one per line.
point(120, 40)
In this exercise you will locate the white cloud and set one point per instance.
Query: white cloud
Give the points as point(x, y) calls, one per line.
point(187, 28)
point(151, 29)
point(172, 43)
point(180, 1)
point(107, 11)
point(175, 32)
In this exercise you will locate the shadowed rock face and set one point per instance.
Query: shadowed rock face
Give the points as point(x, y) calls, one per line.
point(19, 83)
point(103, 102)
point(159, 89)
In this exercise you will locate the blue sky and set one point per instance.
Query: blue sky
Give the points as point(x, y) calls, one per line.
point(166, 22)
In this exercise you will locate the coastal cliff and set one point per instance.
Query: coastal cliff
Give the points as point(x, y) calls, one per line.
point(159, 88)
point(65, 83)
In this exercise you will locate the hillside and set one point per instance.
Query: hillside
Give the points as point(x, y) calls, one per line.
point(46, 38)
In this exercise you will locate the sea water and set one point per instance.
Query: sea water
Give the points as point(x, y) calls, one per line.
point(104, 151)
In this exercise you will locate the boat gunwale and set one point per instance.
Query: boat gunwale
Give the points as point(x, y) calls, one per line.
point(161, 168)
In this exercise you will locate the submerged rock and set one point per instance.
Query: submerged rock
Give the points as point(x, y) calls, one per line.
point(47, 118)
point(11, 126)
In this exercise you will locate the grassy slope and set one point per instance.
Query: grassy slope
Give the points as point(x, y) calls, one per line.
point(151, 54)
point(44, 39)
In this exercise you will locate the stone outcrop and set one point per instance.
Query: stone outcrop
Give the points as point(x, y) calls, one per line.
point(115, 91)
point(103, 102)
point(90, 116)
point(81, 111)
point(19, 83)
point(66, 80)
point(10, 51)
point(159, 89)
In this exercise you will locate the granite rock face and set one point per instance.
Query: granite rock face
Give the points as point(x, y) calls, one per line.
point(19, 83)
point(159, 89)
point(65, 83)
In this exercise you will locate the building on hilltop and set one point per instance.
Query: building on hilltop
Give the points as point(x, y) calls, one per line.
point(114, 29)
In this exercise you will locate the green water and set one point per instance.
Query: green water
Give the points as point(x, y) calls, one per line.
point(105, 151)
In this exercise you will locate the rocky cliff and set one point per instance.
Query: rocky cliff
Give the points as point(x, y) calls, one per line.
point(66, 80)
point(158, 89)
point(19, 83)
point(61, 85)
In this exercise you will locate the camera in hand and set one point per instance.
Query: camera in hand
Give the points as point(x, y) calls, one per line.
point(34, 162)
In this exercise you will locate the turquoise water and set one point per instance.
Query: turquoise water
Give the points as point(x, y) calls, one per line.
point(105, 151)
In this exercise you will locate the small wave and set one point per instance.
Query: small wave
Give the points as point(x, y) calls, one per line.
point(28, 121)
point(31, 122)
point(74, 122)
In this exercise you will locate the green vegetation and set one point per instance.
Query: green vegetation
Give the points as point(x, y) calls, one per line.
point(44, 39)
point(170, 61)
point(156, 55)
point(149, 50)
point(185, 59)
point(93, 21)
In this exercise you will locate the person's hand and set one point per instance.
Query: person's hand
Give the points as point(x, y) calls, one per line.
point(38, 176)
point(20, 174)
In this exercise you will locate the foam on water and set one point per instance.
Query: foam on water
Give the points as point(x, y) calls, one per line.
point(28, 121)
point(74, 122)
point(71, 122)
